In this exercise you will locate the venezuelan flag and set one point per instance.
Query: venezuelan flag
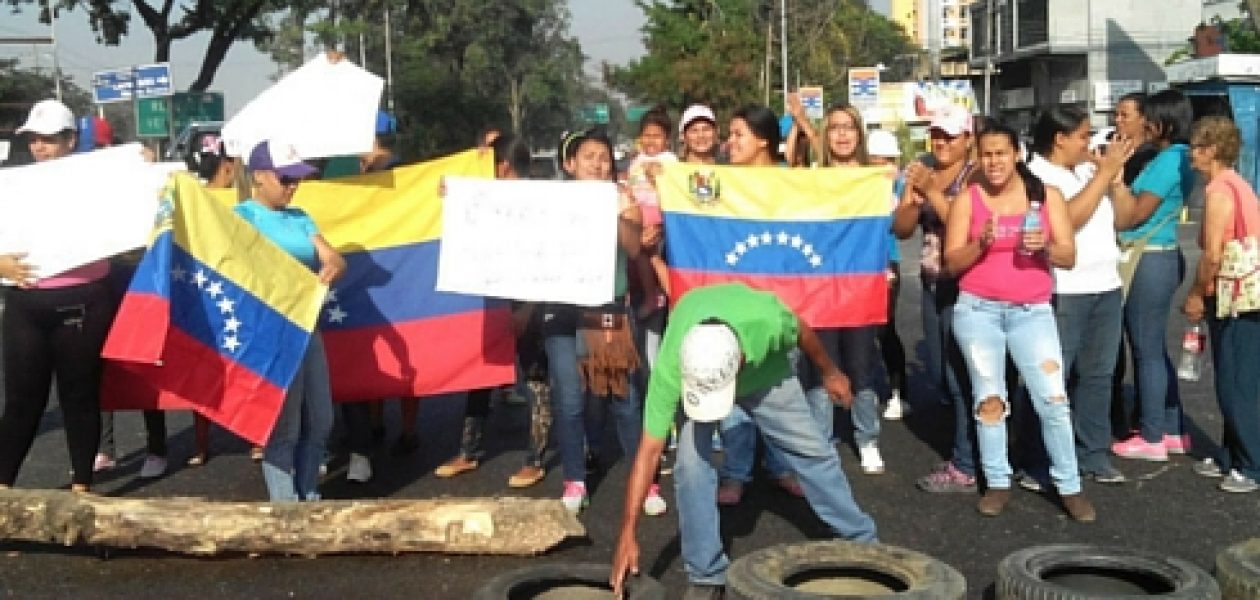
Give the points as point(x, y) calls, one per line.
point(818, 238)
point(217, 318)
point(387, 331)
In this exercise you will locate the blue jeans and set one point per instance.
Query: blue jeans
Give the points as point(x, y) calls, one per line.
point(578, 418)
point(1235, 346)
point(295, 449)
point(853, 350)
point(985, 330)
point(786, 420)
point(739, 449)
point(946, 369)
point(1146, 322)
point(1089, 330)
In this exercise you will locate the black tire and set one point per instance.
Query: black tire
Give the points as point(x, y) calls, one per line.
point(1083, 572)
point(1238, 570)
point(775, 573)
point(526, 583)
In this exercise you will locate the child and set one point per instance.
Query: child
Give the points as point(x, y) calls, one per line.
point(653, 144)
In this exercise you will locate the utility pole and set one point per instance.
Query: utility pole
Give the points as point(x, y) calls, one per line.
point(389, 62)
point(988, 58)
point(52, 26)
point(783, 47)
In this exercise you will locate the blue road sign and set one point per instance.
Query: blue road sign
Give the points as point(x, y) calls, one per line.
point(112, 86)
point(153, 81)
point(143, 81)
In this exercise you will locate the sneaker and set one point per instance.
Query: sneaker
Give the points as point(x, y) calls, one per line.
point(360, 470)
point(947, 479)
point(1138, 448)
point(654, 505)
point(456, 466)
point(198, 459)
point(1208, 467)
point(993, 502)
point(1079, 508)
point(154, 466)
point(896, 408)
point(103, 462)
point(730, 492)
point(1177, 444)
point(526, 477)
point(1106, 474)
point(1029, 483)
point(574, 497)
point(872, 463)
point(789, 484)
point(1238, 483)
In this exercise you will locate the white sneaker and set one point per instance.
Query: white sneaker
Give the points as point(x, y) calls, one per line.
point(654, 505)
point(896, 408)
point(154, 466)
point(872, 463)
point(360, 470)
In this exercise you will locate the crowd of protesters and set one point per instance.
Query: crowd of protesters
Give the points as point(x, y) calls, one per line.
point(1044, 263)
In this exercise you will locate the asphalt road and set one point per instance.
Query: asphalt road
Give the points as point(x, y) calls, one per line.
point(1164, 508)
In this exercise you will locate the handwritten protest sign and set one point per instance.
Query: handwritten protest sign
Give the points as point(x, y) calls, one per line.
point(539, 241)
point(71, 211)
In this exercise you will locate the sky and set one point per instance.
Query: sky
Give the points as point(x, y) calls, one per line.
point(609, 30)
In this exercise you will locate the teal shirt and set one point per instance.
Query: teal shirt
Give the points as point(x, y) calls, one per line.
point(290, 228)
point(1170, 177)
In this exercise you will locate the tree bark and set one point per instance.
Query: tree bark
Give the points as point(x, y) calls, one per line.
point(225, 33)
point(1253, 7)
point(513, 526)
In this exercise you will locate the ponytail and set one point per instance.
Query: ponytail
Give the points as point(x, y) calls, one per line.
point(1033, 186)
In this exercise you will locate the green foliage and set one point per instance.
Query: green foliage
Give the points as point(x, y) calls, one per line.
point(20, 88)
point(715, 51)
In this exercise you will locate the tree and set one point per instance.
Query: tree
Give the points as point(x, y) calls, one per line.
point(227, 21)
point(20, 88)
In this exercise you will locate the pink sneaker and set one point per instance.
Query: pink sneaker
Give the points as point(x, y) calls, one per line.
point(1138, 448)
point(574, 498)
point(1177, 444)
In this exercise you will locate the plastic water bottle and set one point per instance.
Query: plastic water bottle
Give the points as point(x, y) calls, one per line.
point(1032, 223)
point(1190, 366)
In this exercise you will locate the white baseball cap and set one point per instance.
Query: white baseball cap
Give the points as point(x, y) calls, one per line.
point(954, 120)
point(693, 113)
point(711, 357)
point(882, 143)
point(48, 117)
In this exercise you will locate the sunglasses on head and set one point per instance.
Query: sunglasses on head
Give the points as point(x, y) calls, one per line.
point(288, 181)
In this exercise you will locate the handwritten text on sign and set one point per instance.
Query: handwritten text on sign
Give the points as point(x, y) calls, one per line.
point(539, 241)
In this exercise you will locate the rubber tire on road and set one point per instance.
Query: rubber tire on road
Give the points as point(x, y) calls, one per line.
point(762, 574)
point(1021, 575)
point(513, 583)
point(1238, 570)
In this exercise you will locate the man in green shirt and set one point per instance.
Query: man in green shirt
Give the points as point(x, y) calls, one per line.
point(726, 344)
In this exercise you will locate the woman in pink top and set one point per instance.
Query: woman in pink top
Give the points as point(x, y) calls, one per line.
point(1230, 209)
point(53, 326)
point(1004, 303)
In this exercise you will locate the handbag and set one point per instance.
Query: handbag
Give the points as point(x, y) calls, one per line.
point(1131, 254)
point(1238, 280)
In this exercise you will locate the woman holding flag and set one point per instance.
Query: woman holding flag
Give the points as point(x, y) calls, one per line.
point(295, 448)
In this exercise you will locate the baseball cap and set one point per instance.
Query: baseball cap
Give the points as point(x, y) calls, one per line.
point(694, 112)
point(882, 143)
point(280, 157)
point(711, 358)
point(952, 119)
point(48, 117)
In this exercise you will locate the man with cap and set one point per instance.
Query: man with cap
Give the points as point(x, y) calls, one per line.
point(728, 344)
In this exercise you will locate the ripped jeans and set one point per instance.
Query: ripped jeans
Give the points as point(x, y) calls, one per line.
point(985, 329)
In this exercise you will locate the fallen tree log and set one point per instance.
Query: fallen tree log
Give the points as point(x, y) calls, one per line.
point(514, 526)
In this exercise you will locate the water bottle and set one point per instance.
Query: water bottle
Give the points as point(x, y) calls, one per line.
point(1032, 223)
point(1190, 366)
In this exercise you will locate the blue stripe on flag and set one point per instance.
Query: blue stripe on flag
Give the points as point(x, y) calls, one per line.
point(717, 244)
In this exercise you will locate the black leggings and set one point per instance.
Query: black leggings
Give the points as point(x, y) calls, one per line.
point(46, 332)
point(889, 342)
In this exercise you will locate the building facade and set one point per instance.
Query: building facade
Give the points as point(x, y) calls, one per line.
point(1082, 52)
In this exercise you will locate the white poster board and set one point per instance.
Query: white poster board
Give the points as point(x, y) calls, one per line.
point(324, 109)
point(69, 212)
point(536, 241)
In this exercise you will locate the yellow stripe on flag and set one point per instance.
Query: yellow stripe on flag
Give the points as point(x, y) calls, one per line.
point(213, 234)
point(775, 193)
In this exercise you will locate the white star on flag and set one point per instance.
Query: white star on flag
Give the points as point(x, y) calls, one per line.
point(783, 238)
point(214, 289)
point(816, 260)
point(232, 325)
point(797, 241)
point(178, 273)
point(231, 343)
point(753, 240)
point(332, 296)
point(225, 305)
point(766, 238)
point(807, 249)
point(732, 258)
point(336, 315)
point(200, 278)
point(740, 248)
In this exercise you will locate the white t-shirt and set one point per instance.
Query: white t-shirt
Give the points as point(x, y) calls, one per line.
point(1097, 255)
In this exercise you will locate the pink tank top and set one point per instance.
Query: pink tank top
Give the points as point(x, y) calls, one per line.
point(1003, 273)
point(76, 276)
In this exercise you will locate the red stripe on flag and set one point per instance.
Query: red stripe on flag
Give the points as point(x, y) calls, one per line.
point(822, 302)
point(459, 352)
point(132, 334)
point(197, 377)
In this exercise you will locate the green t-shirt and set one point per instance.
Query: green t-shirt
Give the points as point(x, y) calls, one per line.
point(767, 332)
